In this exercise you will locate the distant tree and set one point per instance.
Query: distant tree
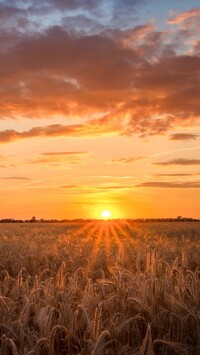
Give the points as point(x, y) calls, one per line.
point(33, 219)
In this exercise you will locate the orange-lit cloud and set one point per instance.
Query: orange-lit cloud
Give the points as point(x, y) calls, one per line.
point(92, 128)
point(186, 17)
point(125, 160)
point(163, 184)
point(179, 161)
point(177, 174)
point(15, 178)
point(129, 85)
point(114, 187)
point(183, 136)
point(59, 157)
point(70, 187)
point(98, 188)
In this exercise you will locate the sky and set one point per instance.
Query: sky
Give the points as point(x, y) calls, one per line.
point(99, 108)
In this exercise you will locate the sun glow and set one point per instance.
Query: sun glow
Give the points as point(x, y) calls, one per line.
point(106, 214)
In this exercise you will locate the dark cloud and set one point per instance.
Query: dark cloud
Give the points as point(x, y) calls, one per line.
point(134, 76)
point(179, 161)
point(84, 25)
point(196, 49)
point(183, 136)
point(162, 184)
point(37, 16)
point(74, 4)
point(92, 74)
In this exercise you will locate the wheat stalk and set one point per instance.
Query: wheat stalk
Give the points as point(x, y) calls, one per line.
point(147, 345)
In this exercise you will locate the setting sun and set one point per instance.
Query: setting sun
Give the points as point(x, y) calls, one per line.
point(106, 214)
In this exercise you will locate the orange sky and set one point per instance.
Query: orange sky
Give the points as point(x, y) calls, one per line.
point(99, 109)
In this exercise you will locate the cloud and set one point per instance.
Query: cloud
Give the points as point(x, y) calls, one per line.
point(12, 17)
point(89, 129)
point(196, 48)
point(114, 187)
point(70, 187)
point(68, 154)
point(125, 160)
point(162, 184)
point(179, 161)
point(85, 16)
point(184, 136)
point(136, 76)
point(176, 174)
point(134, 35)
point(15, 178)
point(98, 188)
point(112, 177)
point(72, 4)
point(186, 17)
point(59, 157)
point(151, 184)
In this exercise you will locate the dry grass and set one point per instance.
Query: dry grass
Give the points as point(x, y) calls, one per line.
point(104, 288)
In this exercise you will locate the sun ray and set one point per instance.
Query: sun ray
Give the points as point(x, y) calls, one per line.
point(90, 232)
point(107, 237)
point(85, 227)
point(96, 244)
point(116, 238)
point(122, 233)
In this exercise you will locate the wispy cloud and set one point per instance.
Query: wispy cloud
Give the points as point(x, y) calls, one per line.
point(59, 157)
point(64, 154)
point(114, 187)
point(112, 177)
point(183, 136)
point(186, 17)
point(90, 129)
point(128, 160)
point(23, 178)
point(98, 187)
point(179, 161)
point(163, 184)
point(177, 174)
point(70, 187)
point(172, 151)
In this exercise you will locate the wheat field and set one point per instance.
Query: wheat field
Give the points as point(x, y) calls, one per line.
point(100, 287)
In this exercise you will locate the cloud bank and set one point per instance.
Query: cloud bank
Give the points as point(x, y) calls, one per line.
point(84, 63)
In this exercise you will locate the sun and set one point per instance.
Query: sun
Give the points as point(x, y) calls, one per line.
point(106, 214)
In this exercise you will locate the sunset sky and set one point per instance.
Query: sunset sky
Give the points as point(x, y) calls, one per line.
point(99, 108)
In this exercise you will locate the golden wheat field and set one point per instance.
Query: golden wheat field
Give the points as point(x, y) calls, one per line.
point(100, 287)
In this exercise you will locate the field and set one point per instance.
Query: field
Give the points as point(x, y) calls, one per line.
point(101, 287)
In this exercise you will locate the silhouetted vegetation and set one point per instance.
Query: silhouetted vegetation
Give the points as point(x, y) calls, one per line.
point(82, 220)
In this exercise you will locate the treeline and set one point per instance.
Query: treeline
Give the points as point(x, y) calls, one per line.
point(178, 219)
point(82, 220)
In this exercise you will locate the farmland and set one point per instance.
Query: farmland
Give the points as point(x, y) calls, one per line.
point(100, 287)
